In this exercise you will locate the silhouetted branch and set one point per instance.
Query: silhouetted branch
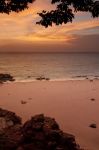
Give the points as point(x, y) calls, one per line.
point(64, 13)
point(7, 6)
point(66, 10)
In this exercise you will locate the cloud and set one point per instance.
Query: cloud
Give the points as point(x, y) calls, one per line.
point(78, 43)
point(85, 43)
point(21, 29)
point(24, 28)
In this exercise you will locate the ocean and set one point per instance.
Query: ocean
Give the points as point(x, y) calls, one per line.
point(27, 67)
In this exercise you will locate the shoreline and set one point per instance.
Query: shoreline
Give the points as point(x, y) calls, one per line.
point(69, 102)
point(52, 80)
point(5, 77)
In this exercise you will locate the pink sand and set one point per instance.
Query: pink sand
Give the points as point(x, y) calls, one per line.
point(69, 102)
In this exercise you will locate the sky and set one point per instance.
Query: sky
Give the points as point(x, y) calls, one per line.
point(20, 33)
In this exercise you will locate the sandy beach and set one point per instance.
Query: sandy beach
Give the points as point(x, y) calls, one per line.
point(74, 104)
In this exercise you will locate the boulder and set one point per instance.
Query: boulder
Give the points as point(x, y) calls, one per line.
point(10, 130)
point(6, 77)
point(8, 119)
point(43, 133)
point(38, 133)
point(93, 125)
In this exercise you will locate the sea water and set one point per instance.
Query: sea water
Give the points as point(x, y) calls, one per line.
point(55, 66)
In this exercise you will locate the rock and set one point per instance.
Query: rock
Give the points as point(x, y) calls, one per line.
point(20, 148)
point(43, 133)
point(6, 77)
point(92, 99)
point(10, 138)
point(23, 102)
point(47, 79)
point(10, 130)
point(91, 80)
point(8, 119)
point(42, 78)
point(39, 133)
point(4, 123)
point(28, 76)
point(93, 125)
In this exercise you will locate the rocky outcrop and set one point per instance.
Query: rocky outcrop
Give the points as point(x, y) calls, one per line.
point(39, 133)
point(10, 130)
point(8, 119)
point(43, 133)
point(6, 77)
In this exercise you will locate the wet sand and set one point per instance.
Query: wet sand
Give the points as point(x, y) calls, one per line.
point(74, 105)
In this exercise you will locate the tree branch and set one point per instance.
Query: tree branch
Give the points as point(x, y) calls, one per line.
point(64, 13)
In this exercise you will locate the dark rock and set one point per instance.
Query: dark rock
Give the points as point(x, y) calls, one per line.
point(42, 78)
point(20, 148)
point(92, 99)
point(10, 130)
point(91, 80)
point(44, 133)
point(93, 125)
point(23, 102)
point(8, 119)
point(39, 133)
point(28, 76)
point(6, 77)
point(11, 138)
point(47, 79)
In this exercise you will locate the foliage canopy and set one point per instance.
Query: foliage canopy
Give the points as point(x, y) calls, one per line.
point(66, 9)
point(64, 12)
point(7, 6)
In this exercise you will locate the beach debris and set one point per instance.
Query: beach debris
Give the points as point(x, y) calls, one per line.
point(91, 80)
point(96, 77)
point(28, 76)
point(38, 133)
point(92, 99)
point(6, 77)
point(47, 79)
point(93, 125)
point(23, 102)
point(80, 76)
point(42, 78)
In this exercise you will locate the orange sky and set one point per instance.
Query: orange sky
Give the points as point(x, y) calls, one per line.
point(19, 32)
